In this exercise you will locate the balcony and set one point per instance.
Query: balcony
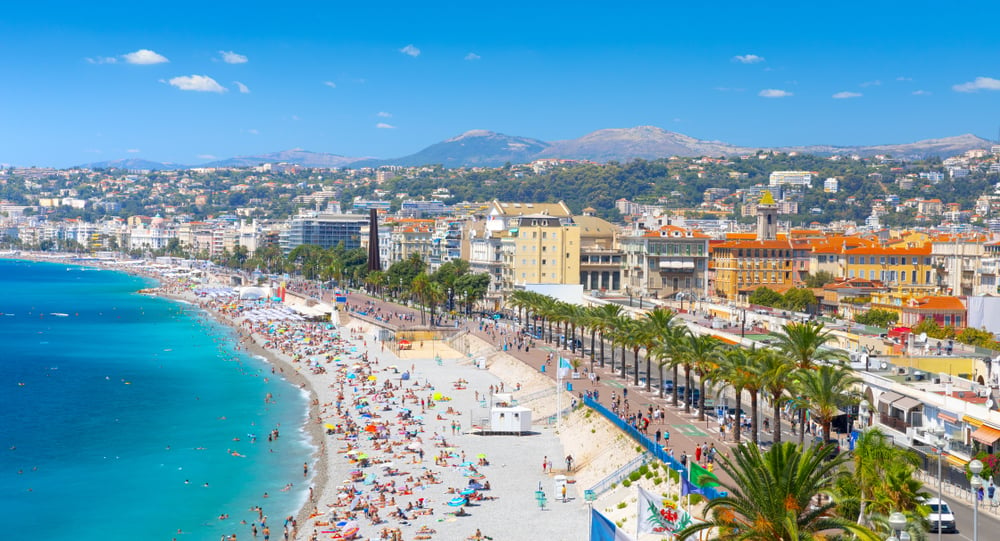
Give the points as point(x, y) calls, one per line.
point(896, 424)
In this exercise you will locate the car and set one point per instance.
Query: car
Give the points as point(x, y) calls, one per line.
point(668, 386)
point(941, 516)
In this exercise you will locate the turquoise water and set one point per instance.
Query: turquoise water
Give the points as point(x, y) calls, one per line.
point(116, 415)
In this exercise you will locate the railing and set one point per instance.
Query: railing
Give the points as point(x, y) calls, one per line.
point(548, 391)
point(652, 447)
point(620, 474)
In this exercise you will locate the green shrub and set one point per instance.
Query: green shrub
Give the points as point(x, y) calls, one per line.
point(622, 505)
point(626, 483)
point(657, 480)
point(634, 476)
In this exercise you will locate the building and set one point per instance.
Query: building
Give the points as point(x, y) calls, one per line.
point(600, 255)
point(906, 267)
point(831, 185)
point(742, 265)
point(791, 178)
point(324, 230)
point(664, 262)
point(541, 249)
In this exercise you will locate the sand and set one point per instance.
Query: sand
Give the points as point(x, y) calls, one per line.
point(515, 462)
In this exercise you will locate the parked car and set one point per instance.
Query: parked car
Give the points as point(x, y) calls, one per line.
point(941, 516)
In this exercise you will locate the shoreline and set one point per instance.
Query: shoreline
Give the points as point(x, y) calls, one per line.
point(162, 288)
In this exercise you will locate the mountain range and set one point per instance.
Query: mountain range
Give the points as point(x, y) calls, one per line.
point(490, 149)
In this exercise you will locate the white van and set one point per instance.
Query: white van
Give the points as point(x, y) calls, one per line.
point(941, 516)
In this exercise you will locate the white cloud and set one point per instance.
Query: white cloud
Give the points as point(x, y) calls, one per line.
point(384, 126)
point(330, 84)
point(133, 151)
point(921, 93)
point(472, 56)
point(748, 59)
point(981, 83)
point(774, 93)
point(102, 60)
point(866, 84)
point(384, 114)
point(253, 131)
point(206, 156)
point(410, 50)
point(144, 56)
point(244, 89)
point(846, 95)
point(904, 79)
point(230, 57)
point(197, 83)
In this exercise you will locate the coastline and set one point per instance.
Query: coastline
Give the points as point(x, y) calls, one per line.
point(175, 291)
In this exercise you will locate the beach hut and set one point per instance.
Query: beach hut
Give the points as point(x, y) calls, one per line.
point(511, 420)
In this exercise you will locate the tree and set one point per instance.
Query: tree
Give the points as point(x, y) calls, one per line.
point(828, 389)
point(420, 290)
point(773, 497)
point(798, 299)
point(805, 345)
point(703, 353)
point(877, 318)
point(879, 485)
point(774, 368)
point(765, 296)
point(819, 279)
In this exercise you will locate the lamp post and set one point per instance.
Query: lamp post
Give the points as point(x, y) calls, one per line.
point(938, 432)
point(897, 521)
point(864, 414)
point(977, 482)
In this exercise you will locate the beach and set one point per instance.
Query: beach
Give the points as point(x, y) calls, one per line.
point(394, 493)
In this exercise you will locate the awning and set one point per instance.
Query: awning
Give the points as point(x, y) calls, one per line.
point(956, 461)
point(889, 397)
point(946, 417)
point(986, 435)
point(906, 403)
point(972, 421)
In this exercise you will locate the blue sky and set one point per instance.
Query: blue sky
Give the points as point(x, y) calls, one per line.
point(188, 82)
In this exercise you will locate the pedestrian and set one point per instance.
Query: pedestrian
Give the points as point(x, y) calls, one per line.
point(697, 454)
point(684, 459)
point(658, 435)
point(545, 462)
point(569, 463)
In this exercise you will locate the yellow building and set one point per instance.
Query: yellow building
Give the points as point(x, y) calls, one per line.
point(903, 268)
point(541, 249)
point(741, 266)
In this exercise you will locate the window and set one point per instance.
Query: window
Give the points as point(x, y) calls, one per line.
point(927, 261)
point(871, 275)
point(892, 260)
point(913, 277)
point(850, 273)
point(850, 260)
point(545, 234)
point(927, 277)
point(543, 262)
point(902, 261)
point(881, 260)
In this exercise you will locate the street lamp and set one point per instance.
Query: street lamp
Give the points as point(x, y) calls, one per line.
point(977, 483)
point(897, 522)
point(864, 414)
point(938, 432)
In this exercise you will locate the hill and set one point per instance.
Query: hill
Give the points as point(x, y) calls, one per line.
point(297, 156)
point(944, 148)
point(645, 142)
point(134, 163)
point(473, 148)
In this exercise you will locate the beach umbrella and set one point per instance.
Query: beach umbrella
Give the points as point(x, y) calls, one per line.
point(413, 446)
point(349, 530)
point(481, 455)
point(372, 378)
point(352, 376)
point(467, 463)
point(328, 426)
point(370, 428)
point(437, 396)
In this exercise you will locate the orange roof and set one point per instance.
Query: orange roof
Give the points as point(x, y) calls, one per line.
point(666, 230)
point(887, 250)
point(782, 244)
point(937, 304)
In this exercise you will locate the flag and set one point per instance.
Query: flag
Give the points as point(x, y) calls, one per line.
point(688, 488)
point(602, 529)
point(564, 367)
point(660, 516)
point(701, 477)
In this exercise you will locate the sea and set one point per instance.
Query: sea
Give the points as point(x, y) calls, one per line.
point(127, 416)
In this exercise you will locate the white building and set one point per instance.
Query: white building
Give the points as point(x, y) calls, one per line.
point(831, 185)
point(792, 178)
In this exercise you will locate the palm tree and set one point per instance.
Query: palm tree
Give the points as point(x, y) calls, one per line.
point(772, 496)
point(703, 354)
point(827, 389)
point(804, 343)
point(774, 369)
point(607, 316)
point(656, 325)
point(883, 479)
point(419, 290)
point(684, 358)
point(737, 371)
